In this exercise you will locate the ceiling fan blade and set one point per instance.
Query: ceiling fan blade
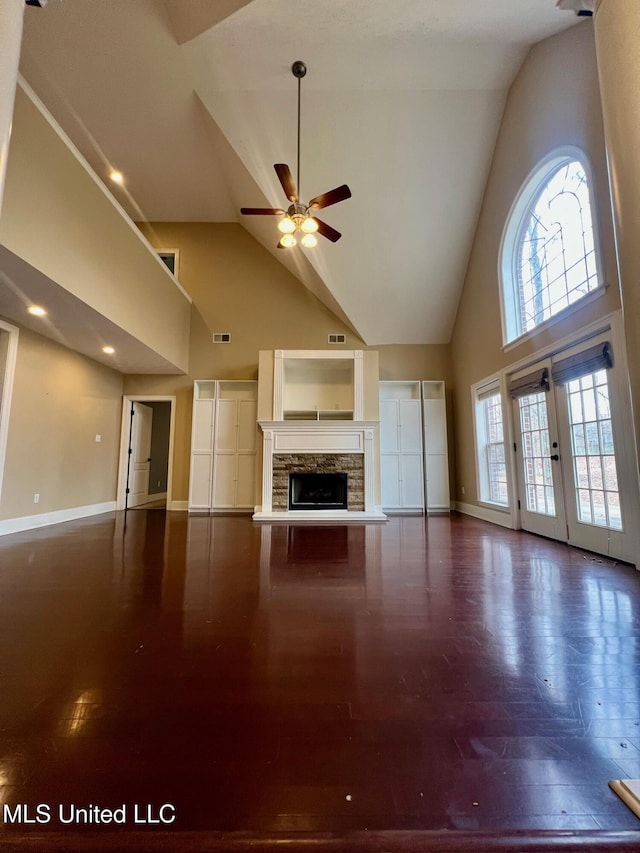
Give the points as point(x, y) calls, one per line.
point(286, 179)
point(261, 211)
point(327, 231)
point(332, 197)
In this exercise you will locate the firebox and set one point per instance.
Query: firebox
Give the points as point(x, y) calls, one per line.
point(318, 491)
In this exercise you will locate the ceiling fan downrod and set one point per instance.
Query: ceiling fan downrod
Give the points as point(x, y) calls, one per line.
point(298, 69)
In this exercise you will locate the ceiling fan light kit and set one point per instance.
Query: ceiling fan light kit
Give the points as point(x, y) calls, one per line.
point(298, 216)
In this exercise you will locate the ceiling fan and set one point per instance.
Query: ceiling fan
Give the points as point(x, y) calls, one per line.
point(298, 216)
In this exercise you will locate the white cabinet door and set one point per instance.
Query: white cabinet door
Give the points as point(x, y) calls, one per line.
point(235, 454)
point(245, 490)
point(247, 425)
point(411, 482)
point(200, 480)
point(390, 479)
point(227, 426)
point(202, 433)
point(401, 471)
point(410, 426)
point(438, 483)
point(436, 456)
point(224, 481)
point(435, 427)
point(389, 426)
point(201, 471)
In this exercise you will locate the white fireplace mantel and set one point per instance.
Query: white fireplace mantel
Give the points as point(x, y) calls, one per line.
point(331, 437)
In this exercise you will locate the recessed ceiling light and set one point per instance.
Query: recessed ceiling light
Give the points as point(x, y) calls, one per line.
point(108, 350)
point(36, 310)
point(117, 177)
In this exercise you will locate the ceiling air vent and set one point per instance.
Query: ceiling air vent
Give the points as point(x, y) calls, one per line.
point(222, 337)
point(337, 339)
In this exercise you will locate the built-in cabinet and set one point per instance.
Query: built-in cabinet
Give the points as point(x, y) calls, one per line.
point(414, 465)
point(401, 455)
point(223, 446)
point(436, 456)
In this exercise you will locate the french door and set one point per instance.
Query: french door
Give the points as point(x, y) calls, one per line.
point(540, 482)
point(572, 483)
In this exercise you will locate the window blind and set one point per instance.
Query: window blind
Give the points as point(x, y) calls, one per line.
point(532, 383)
point(590, 360)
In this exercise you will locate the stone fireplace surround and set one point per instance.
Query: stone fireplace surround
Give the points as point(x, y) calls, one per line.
point(351, 464)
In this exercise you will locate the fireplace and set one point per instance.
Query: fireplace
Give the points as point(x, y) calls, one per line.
point(309, 491)
point(322, 448)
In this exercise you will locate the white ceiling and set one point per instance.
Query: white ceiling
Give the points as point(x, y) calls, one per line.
point(194, 102)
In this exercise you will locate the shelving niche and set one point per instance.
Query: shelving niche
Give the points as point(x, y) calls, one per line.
point(318, 386)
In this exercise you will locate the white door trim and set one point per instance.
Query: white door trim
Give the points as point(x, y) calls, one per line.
point(6, 390)
point(124, 443)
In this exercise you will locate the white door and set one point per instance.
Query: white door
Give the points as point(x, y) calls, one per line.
point(540, 493)
point(600, 480)
point(141, 426)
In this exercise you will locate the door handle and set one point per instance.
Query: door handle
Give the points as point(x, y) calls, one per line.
point(555, 457)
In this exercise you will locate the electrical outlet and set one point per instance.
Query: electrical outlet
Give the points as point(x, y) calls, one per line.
point(462, 489)
point(98, 438)
point(36, 498)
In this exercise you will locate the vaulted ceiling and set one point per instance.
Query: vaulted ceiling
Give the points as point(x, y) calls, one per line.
point(194, 101)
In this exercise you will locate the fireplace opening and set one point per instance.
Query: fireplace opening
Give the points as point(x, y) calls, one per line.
point(318, 491)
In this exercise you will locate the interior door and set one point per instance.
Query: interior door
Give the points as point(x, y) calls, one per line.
point(538, 456)
point(141, 426)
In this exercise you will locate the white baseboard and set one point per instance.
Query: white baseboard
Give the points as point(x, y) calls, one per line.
point(485, 513)
point(179, 506)
point(32, 522)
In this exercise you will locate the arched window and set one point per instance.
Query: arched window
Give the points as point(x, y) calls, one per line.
point(548, 258)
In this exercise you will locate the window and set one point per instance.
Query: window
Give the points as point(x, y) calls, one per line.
point(549, 258)
point(169, 258)
point(492, 467)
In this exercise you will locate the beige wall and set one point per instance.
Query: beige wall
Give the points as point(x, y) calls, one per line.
point(238, 287)
point(415, 361)
point(61, 401)
point(553, 102)
point(58, 218)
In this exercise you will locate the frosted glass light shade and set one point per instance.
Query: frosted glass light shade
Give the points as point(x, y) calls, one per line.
point(287, 225)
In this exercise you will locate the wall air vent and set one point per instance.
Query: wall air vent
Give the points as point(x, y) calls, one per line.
point(337, 339)
point(222, 337)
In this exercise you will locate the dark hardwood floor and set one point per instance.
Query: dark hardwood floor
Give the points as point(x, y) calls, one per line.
point(437, 684)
